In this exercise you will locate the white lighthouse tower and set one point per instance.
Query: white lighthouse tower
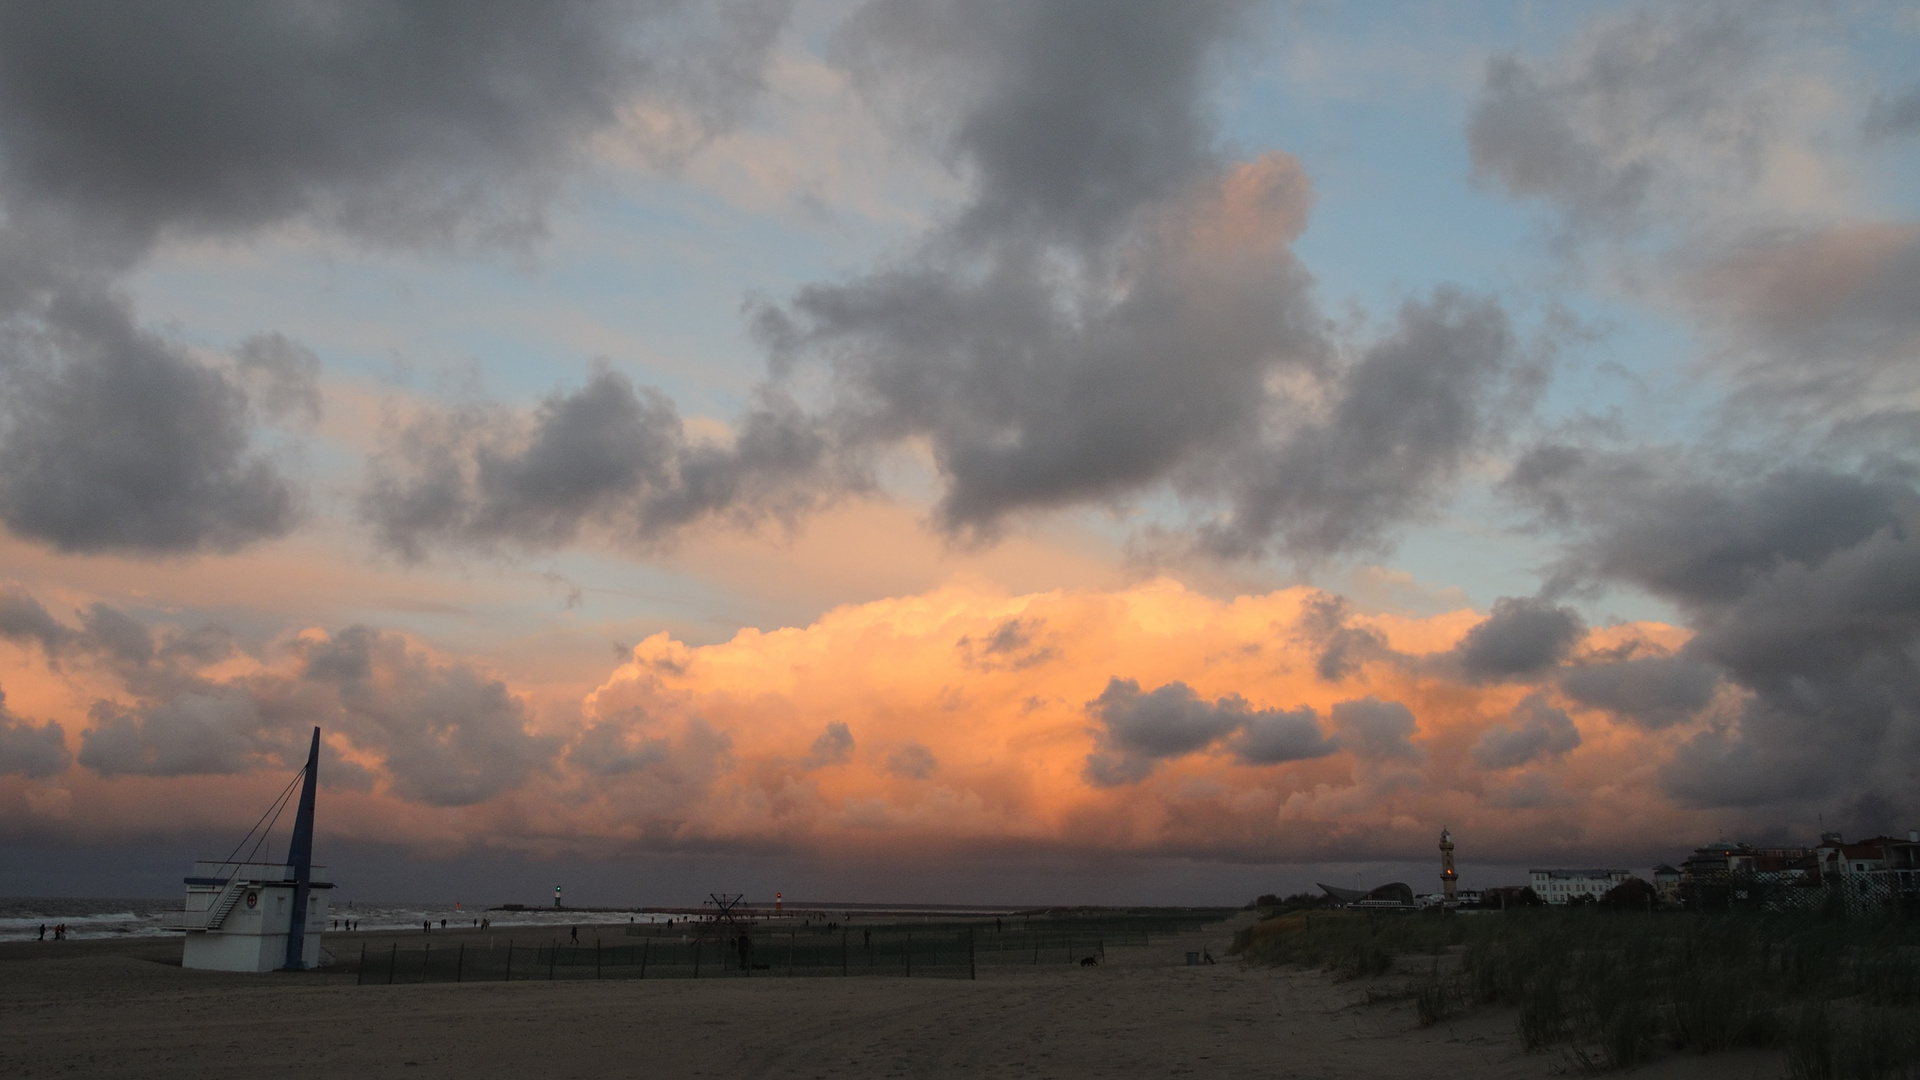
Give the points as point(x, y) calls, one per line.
point(1449, 881)
point(255, 916)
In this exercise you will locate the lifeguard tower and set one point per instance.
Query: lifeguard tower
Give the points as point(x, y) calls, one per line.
point(243, 915)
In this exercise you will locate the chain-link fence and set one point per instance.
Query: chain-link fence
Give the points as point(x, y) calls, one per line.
point(1854, 895)
point(939, 956)
point(927, 949)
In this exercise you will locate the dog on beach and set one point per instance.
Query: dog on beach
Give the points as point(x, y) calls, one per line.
point(1089, 961)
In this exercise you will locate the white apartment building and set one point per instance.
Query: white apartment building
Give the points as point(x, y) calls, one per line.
point(1562, 886)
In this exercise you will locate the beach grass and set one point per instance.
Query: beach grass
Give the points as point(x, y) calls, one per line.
point(1611, 990)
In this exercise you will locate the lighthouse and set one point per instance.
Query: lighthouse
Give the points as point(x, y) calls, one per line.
point(1449, 881)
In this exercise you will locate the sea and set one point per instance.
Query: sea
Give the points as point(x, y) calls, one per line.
point(93, 919)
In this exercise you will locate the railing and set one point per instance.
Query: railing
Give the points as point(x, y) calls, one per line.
point(212, 917)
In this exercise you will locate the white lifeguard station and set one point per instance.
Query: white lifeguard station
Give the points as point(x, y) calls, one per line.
point(259, 916)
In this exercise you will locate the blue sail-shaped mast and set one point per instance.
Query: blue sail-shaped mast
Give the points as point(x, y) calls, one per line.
point(300, 854)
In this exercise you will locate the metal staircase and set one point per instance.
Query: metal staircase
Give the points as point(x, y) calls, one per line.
point(218, 913)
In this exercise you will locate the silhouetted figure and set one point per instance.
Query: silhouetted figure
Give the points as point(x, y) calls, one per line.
point(574, 933)
point(1206, 955)
point(443, 924)
point(866, 938)
point(43, 932)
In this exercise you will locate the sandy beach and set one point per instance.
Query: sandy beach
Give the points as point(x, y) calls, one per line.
point(122, 1008)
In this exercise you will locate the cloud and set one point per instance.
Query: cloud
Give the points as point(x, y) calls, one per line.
point(1895, 117)
point(608, 455)
point(833, 747)
point(1652, 691)
point(23, 619)
point(1692, 115)
point(215, 731)
point(282, 373)
point(1521, 637)
point(397, 122)
point(1404, 421)
point(35, 752)
point(177, 703)
point(1536, 730)
point(1140, 730)
point(1376, 730)
point(1221, 739)
point(1275, 736)
point(1796, 585)
point(113, 439)
point(1012, 644)
point(911, 761)
point(432, 126)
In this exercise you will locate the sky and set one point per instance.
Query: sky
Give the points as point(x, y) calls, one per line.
point(1011, 451)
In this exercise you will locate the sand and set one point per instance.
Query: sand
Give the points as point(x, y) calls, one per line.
point(113, 1009)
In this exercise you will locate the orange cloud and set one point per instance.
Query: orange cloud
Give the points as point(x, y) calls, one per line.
point(1145, 720)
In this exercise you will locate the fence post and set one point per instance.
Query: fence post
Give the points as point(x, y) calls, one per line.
point(696, 958)
point(508, 977)
point(644, 946)
point(362, 979)
point(553, 957)
point(909, 956)
point(596, 958)
point(460, 963)
point(789, 953)
point(843, 954)
point(972, 971)
point(393, 961)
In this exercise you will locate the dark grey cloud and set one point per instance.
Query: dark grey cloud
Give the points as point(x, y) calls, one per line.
point(1013, 645)
point(112, 438)
point(1406, 418)
point(1138, 730)
point(1637, 112)
point(206, 730)
point(1067, 117)
point(1535, 730)
point(422, 124)
point(1275, 736)
point(449, 734)
point(1652, 691)
point(33, 751)
point(911, 761)
point(1891, 117)
point(282, 374)
point(1340, 647)
point(1375, 730)
point(609, 749)
point(834, 746)
point(398, 121)
point(1523, 636)
point(1802, 587)
point(23, 619)
point(607, 454)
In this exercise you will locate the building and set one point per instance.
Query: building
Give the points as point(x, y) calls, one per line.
point(1876, 874)
point(238, 916)
point(1666, 884)
point(1566, 886)
point(249, 916)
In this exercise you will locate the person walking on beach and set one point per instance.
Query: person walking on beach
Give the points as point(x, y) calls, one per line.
point(574, 933)
point(43, 932)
